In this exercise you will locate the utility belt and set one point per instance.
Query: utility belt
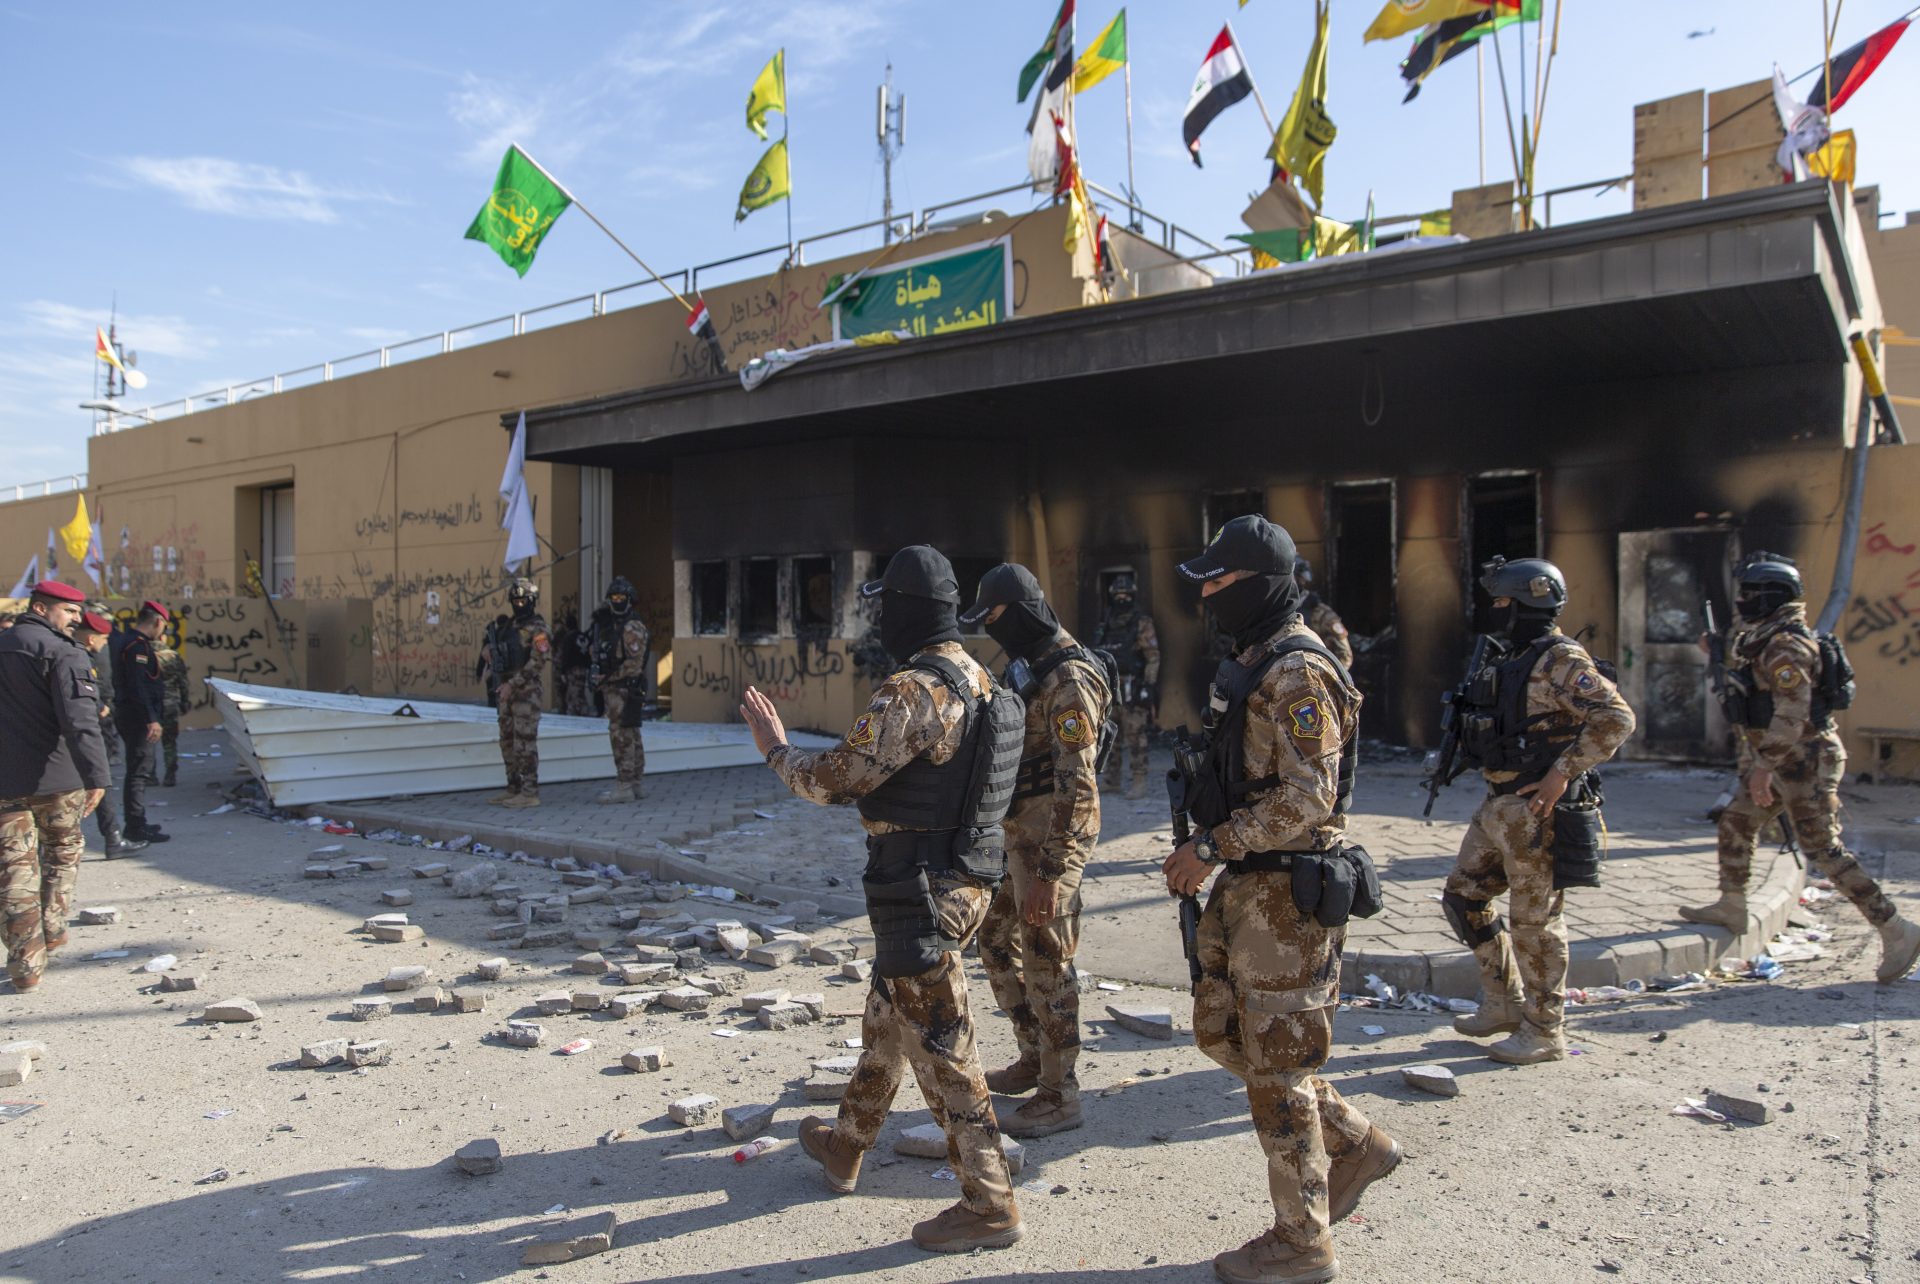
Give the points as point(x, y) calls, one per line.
point(899, 890)
point(1332, 885)
point(1579, 836)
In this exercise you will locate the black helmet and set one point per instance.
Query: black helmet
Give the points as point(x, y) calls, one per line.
point(620, 595)
point(918, 570)
point(1121, 586)
point(523, 593)
point(1004, 585)
point(1767, 582)
point(1532, 582)
point(1302, 570)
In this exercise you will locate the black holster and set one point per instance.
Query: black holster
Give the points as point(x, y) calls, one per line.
point(636, 706)
point(1579, 835)
point(1336, 885)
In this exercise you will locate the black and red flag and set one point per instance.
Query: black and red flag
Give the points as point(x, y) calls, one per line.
point(1851, 67)
point(700, 326)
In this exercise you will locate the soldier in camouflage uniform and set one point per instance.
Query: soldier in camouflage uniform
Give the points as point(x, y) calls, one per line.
point(1543, 717)
point(1128, 634)
point(1033, 925)
point(1321, 618)
point(53, 773)
point(572, 666)
point(1791, 760)
point(512, 663)
point(917, 724)
point(176, 700)
point(1270, 979)
point(621, 649)
point(92, 633)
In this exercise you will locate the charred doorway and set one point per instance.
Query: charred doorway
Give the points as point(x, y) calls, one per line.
point(1502, 520)
point(1362, 552)
point(1665, 578)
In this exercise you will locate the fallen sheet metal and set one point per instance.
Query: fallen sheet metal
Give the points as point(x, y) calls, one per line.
point(314, 747)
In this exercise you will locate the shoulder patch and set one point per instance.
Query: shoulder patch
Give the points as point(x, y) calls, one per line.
point(1586, 681)
point(1309, 722)
point(1786, 677)
point(862, 733)
point(1071, 726)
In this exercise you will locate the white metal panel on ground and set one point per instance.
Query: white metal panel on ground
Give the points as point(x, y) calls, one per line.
point(314, 747)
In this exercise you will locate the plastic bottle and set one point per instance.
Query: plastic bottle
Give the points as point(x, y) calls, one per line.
point(757, 1147)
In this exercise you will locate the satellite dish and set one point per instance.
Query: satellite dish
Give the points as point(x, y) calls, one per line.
point(134, 378)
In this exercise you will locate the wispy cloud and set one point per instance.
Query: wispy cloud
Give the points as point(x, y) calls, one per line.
point(160, 336)
point(242, 189)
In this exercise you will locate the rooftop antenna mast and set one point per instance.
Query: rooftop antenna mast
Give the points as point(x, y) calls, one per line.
point(890, 124)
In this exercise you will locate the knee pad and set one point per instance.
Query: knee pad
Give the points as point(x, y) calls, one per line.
point(1457, 907)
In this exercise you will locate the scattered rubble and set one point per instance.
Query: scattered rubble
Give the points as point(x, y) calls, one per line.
point(645, 1060)
point(744, 1123)
point(478, 1158)
point(525, 1034)
point(581, 1237)
point(692, 1112)
point(315, 1056)
point(373, 1052)
point(1744, 1106)
point(1151, 1022)
point(100, 916)
point(232, 1010)
point(1438, 1080)
point(411, 977)
point(371, 1009)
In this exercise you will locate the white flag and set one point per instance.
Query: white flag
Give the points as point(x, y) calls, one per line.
point(53, 557)
point(1043, 144)
point(28, 578)
point(518, 521)
point(1806, 128)
point(96, 560)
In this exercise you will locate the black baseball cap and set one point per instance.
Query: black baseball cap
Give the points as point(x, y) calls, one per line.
point(918, 570)
point(1250, 543)
point(1004, 585)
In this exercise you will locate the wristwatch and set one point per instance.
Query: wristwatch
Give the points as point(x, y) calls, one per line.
point(1206, 848)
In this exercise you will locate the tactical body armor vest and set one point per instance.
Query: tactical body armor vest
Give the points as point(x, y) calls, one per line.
point(1833, 686)
point(1119, 636)
point(1495, 733)
point(1036, 773)
point(606, 651)
point(1220, 784)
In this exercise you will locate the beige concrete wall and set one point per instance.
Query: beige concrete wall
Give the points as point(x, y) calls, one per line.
point(1895, 254)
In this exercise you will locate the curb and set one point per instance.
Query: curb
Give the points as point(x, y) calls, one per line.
point(1687, 947)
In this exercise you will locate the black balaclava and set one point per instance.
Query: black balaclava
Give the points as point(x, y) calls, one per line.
point(1520, 625)
point(1024, 629)
point(1252, 609)
point(1755, 602)
point(909, 625)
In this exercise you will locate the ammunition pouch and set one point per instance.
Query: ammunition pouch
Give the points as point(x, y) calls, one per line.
point(906, 932)
point(1456, 907)
point(636, 706)
point(1336, 885)
point(1579, 835)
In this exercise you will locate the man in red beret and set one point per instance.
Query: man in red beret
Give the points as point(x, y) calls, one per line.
point(53, 772)
point(139, 704)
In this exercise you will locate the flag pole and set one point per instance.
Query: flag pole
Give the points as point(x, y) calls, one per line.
point(604, 228)
point(786, 133)
point(1133, 196)
point(1480, 98)
point(1252, 84)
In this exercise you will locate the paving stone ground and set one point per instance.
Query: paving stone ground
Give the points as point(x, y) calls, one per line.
point(738, 827)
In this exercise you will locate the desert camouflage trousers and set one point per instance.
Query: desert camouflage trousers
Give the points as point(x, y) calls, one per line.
point(1270, 979)
point(629, 754)
point(576, 699)
point(1032, 974)
point(1505, 850)
point(1807, 789)
point(925, 1022)
point(41, 843)
point(520, 699)
point(1134, 720)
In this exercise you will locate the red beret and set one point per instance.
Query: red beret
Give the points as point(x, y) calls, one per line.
point(97, 622)
point(156, 608)
point(58, 592)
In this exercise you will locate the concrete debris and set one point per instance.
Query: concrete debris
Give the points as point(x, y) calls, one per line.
point(431, 999)
point(857, 969)
point(373, 1052)
point(1438, 1080)
point(100, 916)
point(928, 1142)
point(467, 999)
point(549, 912)
point(324, 1053)
point(595, 942)
point(579, 877)
point(176, 982)
point(659, 912)
point(490, 969)
point(735, 941)
point(803, 911)
point(645, 1060)
point(744, 1123)
point(589, 1000)
point(686, 999)
point(371, 864)
point(33, 1048)
point(478, 1158)
point(692, 1112)
point(581, 1237)
point(778, 952)
point(526, 1034)
point(384, 920)
point(783, 1016)
point(815, 1004)
point(643, 973)
point(632, 1003)
point(831, 953)
point(588, 895)
point(411, 977)
point(434, 870)
point(768, 926)
point(15, 1069)
point(764, 999)
point(232, 1010)
point(712, 985)
point(473, 880)
point(543, 938)
point(1740, 1105)
point(1153, 1023)
point(396, 896)
point(507, 932)
point(566, 864)
point(594, 964)
point(554, 1002)
point(371, 1009)
point(828, 1079)
point(400, 935)
point(321, 870)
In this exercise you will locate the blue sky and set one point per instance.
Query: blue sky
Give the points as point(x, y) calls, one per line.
point(266, 187)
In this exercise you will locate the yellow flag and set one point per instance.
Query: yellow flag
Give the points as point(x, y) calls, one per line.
point(1306, 131)
point(769, 93)
point(1106, 55)
point(1835, 158)
point(768, 182)
point(1402, 16)
point(77, 535)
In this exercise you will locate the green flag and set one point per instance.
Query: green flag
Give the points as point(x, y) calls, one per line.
point(1106, 55)
point(517, 215)
point(768, 182)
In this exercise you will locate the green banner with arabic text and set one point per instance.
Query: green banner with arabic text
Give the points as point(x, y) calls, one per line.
point(936, 295)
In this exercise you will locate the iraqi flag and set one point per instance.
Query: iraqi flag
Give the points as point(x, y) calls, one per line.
point(1851, 67)
point(700, 326)
point(1222, 82)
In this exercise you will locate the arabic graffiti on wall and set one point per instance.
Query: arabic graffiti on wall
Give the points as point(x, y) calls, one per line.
point(1890, 622)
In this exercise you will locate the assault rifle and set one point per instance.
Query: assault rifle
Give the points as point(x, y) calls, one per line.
point(1716, 653)
point(1453, 715)
point(1186, 764)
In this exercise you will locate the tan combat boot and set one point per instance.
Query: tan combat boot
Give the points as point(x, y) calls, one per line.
point(1530, 1046)
point(1137, 790)
point(1049, 1112)
point(621, 793)
point(1022, 1077)
point(1349, 1176)
point(502, 797)
point(1730, 912)
point(1899, 948)
point(1498, 1014)
point(1268, 1259)
point(839, 1162)
point(56, 942)
point(521, 800)
point(961, 1230)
